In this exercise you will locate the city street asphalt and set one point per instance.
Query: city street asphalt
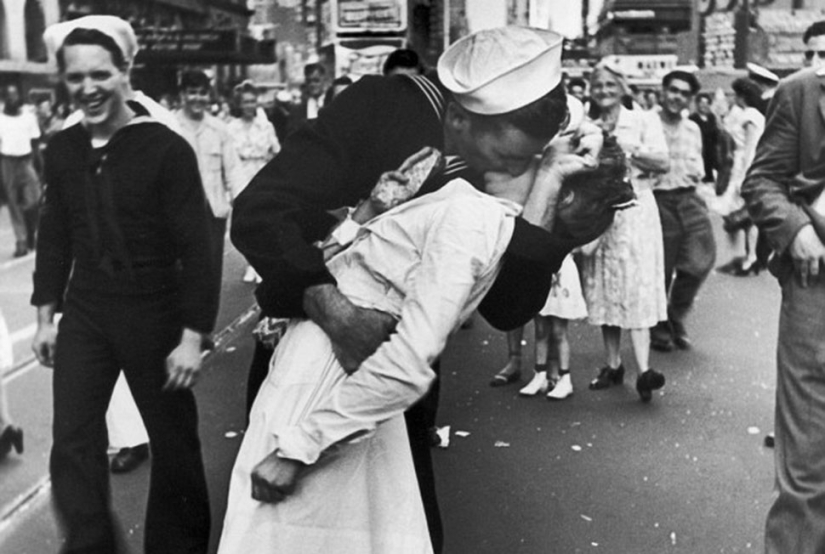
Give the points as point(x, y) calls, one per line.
point(598, 472)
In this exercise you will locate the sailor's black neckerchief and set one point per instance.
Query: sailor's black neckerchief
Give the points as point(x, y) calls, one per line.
point(108, 242)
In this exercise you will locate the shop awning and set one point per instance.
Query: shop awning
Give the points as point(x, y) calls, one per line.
point(202, 46)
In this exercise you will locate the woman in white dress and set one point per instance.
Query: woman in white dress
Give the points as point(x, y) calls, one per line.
point(745, 124)
point(623, 273)
point(255, 141)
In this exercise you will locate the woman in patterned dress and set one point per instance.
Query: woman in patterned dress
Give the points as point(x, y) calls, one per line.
point(623, 272)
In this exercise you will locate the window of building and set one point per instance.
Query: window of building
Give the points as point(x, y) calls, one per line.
point(35, 25)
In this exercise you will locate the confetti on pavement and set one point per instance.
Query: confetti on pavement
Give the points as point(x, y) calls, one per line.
point(502, 444)
point(444, 436)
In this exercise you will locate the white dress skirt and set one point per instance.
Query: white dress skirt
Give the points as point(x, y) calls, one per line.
point(565, 299)
point(376, 506)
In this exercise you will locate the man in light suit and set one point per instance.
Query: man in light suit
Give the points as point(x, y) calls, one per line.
point(784, 193)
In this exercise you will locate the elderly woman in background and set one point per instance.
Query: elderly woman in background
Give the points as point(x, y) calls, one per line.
point(623, 270)
point(255, 142)
point(745, 124)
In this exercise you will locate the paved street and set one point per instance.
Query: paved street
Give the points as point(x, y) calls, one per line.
point(599, 472)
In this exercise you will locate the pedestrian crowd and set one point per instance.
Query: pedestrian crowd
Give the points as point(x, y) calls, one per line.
point(376, 217)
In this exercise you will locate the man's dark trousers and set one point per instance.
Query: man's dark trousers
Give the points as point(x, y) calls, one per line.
point(98, 335)
point(690, 249)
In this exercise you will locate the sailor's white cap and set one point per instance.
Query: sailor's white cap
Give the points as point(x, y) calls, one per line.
point(115, 27)
point(760, 72)
point(499, 70)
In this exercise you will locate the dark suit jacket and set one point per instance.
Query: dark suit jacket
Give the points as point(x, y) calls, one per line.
point(783, 175)
point(297, 117)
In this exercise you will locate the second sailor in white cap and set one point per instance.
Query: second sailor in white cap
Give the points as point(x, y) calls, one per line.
point(124, 251)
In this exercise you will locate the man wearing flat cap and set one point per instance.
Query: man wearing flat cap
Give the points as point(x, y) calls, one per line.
point(125, 254)
point(496, 102)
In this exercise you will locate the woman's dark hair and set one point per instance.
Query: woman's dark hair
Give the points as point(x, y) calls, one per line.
point(541, 119)
point(748, 90)
point(589, 198)
point(95, 38)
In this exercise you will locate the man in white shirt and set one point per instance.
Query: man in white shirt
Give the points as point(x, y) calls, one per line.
point(19, 155)
point(218, 160)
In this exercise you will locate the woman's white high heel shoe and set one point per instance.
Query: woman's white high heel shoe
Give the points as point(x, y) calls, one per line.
point(536, 385)
point(563, 389)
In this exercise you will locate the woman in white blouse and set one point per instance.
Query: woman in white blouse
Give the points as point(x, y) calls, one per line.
point(745, 124)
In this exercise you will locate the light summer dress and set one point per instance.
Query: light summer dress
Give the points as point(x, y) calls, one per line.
point(624, 279)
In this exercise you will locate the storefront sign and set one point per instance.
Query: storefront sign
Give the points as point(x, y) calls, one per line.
point(151, 40)
point(644, 68)
point(370, 15)
point(634, 14)
point(202, 46)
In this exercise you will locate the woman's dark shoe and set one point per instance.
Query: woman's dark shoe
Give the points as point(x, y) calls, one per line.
point(128, 459)
point(608, 376)
point(501, 379)
point(12, 437)
point(648, 382)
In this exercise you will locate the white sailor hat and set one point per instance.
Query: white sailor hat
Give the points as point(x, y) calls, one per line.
point(759, 72)
point(115, 27)
point(499, 70)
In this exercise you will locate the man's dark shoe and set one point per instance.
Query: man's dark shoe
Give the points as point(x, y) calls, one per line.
point(128, 459)
point(661, 337)
point(680, 336)
point(20, 251)
point(662, 344)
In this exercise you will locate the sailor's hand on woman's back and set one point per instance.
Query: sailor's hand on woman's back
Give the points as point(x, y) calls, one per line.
point(356, 333)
